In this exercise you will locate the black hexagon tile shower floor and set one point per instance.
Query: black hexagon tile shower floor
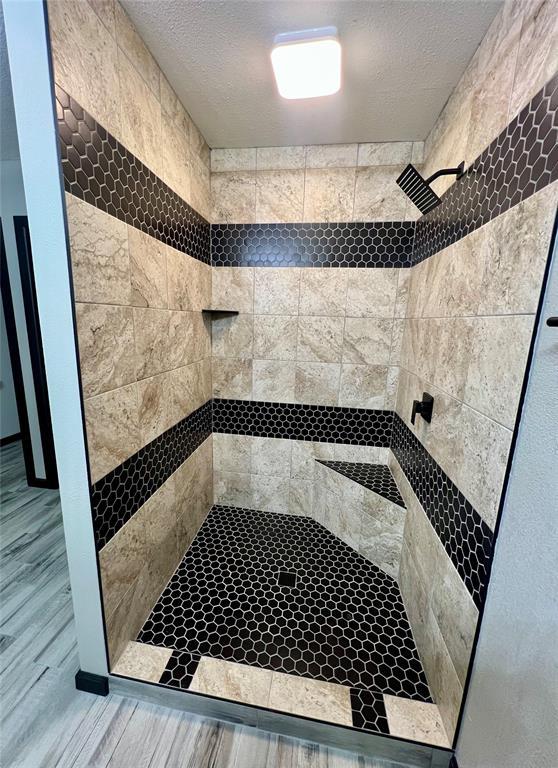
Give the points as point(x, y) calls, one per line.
point(343, 621)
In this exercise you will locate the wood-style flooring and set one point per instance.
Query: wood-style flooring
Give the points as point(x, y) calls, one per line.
point(44, 721)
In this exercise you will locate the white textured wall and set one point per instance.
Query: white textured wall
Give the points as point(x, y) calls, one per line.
point(511, 714)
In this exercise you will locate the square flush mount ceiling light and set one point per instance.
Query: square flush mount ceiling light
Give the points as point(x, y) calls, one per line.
point(307, 63)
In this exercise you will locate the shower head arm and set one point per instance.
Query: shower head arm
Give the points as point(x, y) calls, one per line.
point(459, 171)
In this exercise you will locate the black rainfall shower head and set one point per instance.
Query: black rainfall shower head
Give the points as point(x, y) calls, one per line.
point(418, 190)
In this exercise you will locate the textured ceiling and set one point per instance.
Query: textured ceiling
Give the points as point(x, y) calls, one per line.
point(9, 149)
point(401, 60)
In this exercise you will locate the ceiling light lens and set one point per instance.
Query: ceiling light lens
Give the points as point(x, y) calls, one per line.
point(305, 69)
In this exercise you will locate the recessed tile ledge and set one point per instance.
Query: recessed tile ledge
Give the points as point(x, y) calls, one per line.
point(374, 477)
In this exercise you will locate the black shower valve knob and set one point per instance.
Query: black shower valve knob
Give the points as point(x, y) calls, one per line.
point(423, 407)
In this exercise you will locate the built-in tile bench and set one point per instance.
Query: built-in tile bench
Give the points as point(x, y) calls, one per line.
point(361, 504)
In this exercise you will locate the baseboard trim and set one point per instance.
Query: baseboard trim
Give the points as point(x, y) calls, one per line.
point(10, 439)
point(91, 683)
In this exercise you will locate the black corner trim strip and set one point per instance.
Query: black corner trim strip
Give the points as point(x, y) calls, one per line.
point(91, 683)
point(465, 536)
point(522, 160)
point(342, 244)
point(97, 168)
point(120, 493)
point(293, 421)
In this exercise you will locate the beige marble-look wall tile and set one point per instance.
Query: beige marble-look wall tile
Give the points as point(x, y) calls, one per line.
point(301, 494)
point(175, 160)
point(323, 292)
point(233, 197)
point(159, 520)
point(155, 413)
point(277, 290)
point(233, 488)
point(112, 429)
point(140, 115)
point(120, 562)
point(304, 456)
point(232, 453)
point(497, 368)
point(199, 145)
point(377, 196)
point(193, 493)
point(127, 619)
point(371, 292)
point(362, 386)
point(451, 342)
point(514, 247)
point(274, 380)
point(270, 493)
point(135, 49)
point(200, 186)
point(320, 339)
point(367, 340)
point(233, 159)
point(331, 155)
point(275, 337)
point(106, 347)
point(233, 288)
point(415, 720)
point(537, 57)
point(311, 698)
point(329, 194)
point(279, 196)
point(232, 379)
point(152, 334)
point(235, 682)
point(99, 252)
point(189, 282)
point(317, 383)
point(271, 456)
point(232, 336)
point(142, 662)
point(190, 388)
point(148, 269)
point(280, 158)
point(385, 153)
point(105, 11)
point(81, 46)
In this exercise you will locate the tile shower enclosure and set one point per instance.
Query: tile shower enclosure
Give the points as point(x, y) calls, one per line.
point(269, 454)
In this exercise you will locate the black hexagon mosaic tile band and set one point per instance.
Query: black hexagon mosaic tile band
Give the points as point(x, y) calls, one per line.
point(375, 477)
point(355, 244)
point(344, 621)
point(180, 669)
point(118, 495)
point(465, 536)
point(519, 162)
point(100, 170)
point(329, 424)
point(369, 711)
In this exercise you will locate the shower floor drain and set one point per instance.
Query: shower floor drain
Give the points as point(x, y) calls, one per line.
point(286, 579)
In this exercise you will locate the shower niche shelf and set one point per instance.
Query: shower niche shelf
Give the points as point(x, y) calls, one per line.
point(218, 313)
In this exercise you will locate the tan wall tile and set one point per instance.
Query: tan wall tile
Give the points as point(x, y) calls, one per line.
point(328, 194)
point(274, 380)
point(275, 337)
point(232, 453)
point(152, 328)
point(175, 160)
point(135, 49)
point(385, 153)
point(233, 288)
point(99, 249)
point(317, 383)
point(367, 340)
point(112, 429)
point(270, 494)
point(320, 339)
point(232, 336)
point(233, 488)
point(363, 386)
point(140, 116)
point(81, 47)
point(280, 158)
point(232, 379)
point(233, 197)
point(271, 456)
point(233, 160)
point(189, 282)
point(121, 561)
point(277, 290)
point(148, 267)
point(279, 196)
point(371, 292)
point(155, 413)
point(377, 196)
point(331, 155)
point(323, 292)
point(106, 347)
